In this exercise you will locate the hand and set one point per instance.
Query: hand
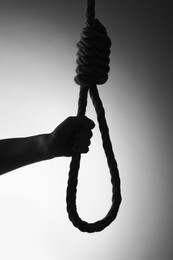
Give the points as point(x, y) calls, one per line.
point(71, 136)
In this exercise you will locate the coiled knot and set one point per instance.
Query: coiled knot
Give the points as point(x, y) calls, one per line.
point(93, 55)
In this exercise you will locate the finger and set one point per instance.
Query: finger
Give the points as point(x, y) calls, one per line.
point(85, 142)
point(81, 141)
point(82, 138)
point(81, 149)
point(82, 133)
point(82, 121)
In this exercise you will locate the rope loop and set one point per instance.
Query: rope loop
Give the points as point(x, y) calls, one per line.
point(93, 55)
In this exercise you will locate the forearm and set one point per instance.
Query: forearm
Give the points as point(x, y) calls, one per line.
point(18, 152)
point(71, 136)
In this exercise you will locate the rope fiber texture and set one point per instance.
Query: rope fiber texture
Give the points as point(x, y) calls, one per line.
point(92, 68)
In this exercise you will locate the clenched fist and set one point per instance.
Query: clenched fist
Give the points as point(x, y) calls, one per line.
point(71, 136)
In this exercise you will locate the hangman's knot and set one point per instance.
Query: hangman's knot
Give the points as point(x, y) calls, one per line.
point(93, 55)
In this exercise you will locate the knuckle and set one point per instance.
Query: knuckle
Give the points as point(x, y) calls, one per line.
point(69, 119)
point(85, 150)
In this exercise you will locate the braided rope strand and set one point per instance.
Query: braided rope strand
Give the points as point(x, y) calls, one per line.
point(90, 12)
point(92, 68)
point(82, 102)
point(107, 145)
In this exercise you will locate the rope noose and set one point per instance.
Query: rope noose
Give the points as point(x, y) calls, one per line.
point(93, 67)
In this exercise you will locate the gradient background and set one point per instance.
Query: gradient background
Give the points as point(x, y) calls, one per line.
point(37, 66)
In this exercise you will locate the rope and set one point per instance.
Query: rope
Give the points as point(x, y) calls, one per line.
point(92, 68)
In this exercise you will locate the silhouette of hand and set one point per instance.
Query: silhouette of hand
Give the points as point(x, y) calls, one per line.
point(71, 136)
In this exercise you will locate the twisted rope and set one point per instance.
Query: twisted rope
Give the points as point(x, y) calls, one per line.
point(92, 68)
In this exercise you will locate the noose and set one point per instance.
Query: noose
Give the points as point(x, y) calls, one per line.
point(92, 68)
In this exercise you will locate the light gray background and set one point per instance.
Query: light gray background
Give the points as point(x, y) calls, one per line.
point(37, 66)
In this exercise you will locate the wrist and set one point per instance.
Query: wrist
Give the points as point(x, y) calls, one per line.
point(45, 144)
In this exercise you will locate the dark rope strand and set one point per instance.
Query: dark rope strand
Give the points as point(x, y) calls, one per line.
point(82, 102)
point(107, 145)
point(90, 12)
